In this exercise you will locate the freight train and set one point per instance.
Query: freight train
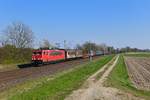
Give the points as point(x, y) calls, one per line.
point(54, 55)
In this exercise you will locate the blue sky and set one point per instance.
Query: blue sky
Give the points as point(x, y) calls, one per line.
point(118, 23)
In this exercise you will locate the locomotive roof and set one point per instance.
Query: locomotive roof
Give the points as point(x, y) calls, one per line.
point(53, 49)
point(46, 49)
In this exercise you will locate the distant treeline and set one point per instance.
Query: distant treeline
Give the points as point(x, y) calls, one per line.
point(129, 49)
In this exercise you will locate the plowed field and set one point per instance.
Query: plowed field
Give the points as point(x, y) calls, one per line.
point(139, 71)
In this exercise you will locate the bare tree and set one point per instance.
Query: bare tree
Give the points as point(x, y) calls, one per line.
point(57, 45)
point(104, 47)
point(19, 35)
point(78, 47)
point(46, 44)
point(67, 45)
point(88, 46)
point(111, 49)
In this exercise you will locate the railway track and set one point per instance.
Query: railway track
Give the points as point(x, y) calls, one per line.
point(11, 78)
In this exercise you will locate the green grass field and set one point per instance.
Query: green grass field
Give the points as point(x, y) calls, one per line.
point(63, 85)
point(119, 78)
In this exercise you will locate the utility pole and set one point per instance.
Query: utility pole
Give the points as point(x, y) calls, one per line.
point(104, 49)
point(90, 52)
point(65, 44)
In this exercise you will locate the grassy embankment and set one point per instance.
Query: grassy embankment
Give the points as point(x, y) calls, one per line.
point(7, 67)
point(63, 85)
point(119, 78)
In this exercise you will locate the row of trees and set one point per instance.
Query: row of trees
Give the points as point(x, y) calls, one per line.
point(129, 49)
point(17, 43)
point(86, 47)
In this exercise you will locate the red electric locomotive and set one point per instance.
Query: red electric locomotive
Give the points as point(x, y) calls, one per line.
point(44, 56)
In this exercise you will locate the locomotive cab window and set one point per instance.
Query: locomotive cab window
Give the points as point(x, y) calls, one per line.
point(37, 53)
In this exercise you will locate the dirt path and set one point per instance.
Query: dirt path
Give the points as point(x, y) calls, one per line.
point(94, 90)
point(14, 77)
point(139, 71)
